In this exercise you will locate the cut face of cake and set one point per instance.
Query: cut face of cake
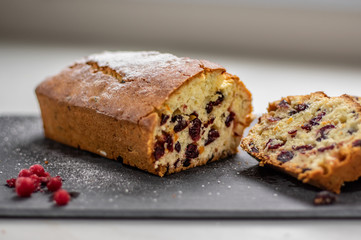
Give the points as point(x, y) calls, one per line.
point(315, 138)
point(154, 111)
point(201, 122)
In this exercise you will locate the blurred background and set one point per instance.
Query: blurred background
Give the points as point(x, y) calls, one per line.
point(277, 47)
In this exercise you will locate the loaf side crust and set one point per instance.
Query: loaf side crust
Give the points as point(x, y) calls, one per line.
point(89, 130)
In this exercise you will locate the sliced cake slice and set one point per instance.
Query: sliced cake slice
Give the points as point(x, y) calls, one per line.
point(314, 138)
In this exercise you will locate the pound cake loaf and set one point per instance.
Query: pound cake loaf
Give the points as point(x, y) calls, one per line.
point(153, 111)
point(314, 138)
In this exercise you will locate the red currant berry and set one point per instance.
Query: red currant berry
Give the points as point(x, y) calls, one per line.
point(37, 169)
point(61, 197)
point(60, 178)
point(25, 173)
point(24, 186)
point(11, 182)
point(45, 178)
point(36, 180)
point(54, 184)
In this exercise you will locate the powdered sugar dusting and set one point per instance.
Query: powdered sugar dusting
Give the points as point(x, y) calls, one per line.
point(135, 65)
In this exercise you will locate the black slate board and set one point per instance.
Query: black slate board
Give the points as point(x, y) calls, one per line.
point(231, 188)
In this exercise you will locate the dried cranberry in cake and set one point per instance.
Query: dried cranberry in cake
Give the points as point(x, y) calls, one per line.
point(210, 121)
point(164, 142)
point(307, 127)
point(274, 144)
point(175, 164)
point(211, 104)
point(283, 104)
point(169, 142)
point(285, 156)
point(230, 119)
point(323, 131)
point(195, 129)
point(301, 107)
point(255, 150)
point(180, 123)
point(298, 108)
point(326, 148)
point(302, 147)
point(177, 146)
point(192, 151)
point(213, 134)
point(292, 112)
point(209, 107)
point(292, 133)
point(219, 99)
point(187, 162)
point(352, 131)
point(164, 119)
point(158, 150)
point(315, 121)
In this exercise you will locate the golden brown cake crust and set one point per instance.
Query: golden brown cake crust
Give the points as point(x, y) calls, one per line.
point(343, 164)
point(86, 129)
point(138, 85)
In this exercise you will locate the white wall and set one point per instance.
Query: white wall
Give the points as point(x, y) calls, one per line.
point(327, 30)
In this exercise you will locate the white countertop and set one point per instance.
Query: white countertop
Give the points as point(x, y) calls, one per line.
point(25, 65)
point(179, 230)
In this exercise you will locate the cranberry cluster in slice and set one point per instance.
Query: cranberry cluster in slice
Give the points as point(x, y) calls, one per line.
point(211, 104)
point(195, 129)
point(159, 149)
point(285, 156)
point(302, 148)
point(164, 142)
point(180, 123)
point(230, 119)
point(313, 122)
point(324, 131)
point(272, 144)
point(163, 119)
point(192, 151)
point(298, 108)
point(213, 134)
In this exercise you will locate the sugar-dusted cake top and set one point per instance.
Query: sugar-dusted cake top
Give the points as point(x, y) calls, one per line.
point(134, 65)
point(124, 85)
